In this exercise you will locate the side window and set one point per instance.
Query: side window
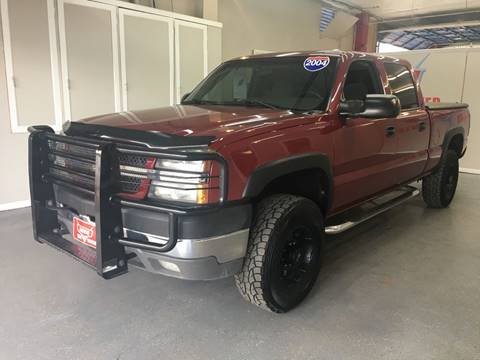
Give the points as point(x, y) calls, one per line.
point(402, 85)
point(362, 79)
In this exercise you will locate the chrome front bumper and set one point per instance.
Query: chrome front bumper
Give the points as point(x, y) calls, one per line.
point(195, 259)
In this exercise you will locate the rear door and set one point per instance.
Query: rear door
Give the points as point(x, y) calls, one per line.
point(365, 149)
point(412, 125)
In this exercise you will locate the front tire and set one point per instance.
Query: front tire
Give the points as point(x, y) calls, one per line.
point(284, 255)
point(438, 189)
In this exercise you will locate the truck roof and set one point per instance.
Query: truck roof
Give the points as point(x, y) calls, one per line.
point(339, 53)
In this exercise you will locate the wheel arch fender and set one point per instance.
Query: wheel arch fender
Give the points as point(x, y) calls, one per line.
point(449, 135)
point(266, 173)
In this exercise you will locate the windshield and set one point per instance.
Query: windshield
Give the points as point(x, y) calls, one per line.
point(294, 83)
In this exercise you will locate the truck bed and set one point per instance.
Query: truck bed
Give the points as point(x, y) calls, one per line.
point(445, 106)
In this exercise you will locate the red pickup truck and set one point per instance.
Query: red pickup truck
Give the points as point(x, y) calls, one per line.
point(246, 177)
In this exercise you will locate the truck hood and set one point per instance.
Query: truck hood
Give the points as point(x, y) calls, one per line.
point(187, 120)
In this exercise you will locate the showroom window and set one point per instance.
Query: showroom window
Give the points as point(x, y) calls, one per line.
point(402, 85)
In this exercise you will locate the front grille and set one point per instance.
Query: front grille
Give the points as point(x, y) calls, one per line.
point(87, 181)
point(86, 167)
point(133, 160)
point(76, 164)
point(71, 149)
point(130, 184)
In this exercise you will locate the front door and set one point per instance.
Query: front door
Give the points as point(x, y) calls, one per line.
point(364, 149)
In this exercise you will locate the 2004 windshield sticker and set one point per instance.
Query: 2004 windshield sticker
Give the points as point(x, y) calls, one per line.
point(316, 63)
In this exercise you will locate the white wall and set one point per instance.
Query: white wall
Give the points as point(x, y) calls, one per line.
point(278, 25)
point(186, 7)
point(452, 75)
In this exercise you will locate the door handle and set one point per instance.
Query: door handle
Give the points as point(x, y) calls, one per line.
point(422, 126)
point(390, 131)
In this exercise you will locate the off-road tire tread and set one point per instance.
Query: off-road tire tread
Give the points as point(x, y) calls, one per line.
point(249, 280)
point(432, 184)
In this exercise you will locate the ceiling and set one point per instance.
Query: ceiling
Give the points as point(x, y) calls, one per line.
point(441, 29)
point(420, 24)
point(387, 9)
point(427, 38)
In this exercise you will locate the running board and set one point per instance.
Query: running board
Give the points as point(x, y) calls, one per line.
point(408, 192)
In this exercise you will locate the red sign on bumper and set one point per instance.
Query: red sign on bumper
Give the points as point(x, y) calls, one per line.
point(84, 232)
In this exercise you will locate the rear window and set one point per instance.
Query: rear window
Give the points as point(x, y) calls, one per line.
point(402, 85)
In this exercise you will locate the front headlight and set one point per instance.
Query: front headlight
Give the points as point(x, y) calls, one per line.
point(181, 181)
point(180, 165)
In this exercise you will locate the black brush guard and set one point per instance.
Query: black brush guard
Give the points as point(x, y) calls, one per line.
point(109, 258)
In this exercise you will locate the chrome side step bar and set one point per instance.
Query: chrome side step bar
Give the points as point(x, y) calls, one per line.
point(408, 192)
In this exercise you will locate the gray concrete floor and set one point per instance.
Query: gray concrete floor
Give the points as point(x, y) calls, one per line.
point(405, 285)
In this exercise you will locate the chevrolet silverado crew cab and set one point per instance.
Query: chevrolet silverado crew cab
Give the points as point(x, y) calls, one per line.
point(247, 176)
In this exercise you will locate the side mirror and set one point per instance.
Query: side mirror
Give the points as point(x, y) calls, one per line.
point(352, 107)
point(184, 97)
point(374, 107)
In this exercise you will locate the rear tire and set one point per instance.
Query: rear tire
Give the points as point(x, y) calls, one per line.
point(284, 254)
point(438, 189)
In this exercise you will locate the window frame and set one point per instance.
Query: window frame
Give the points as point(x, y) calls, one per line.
point(373, 66)
point(415, 84)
